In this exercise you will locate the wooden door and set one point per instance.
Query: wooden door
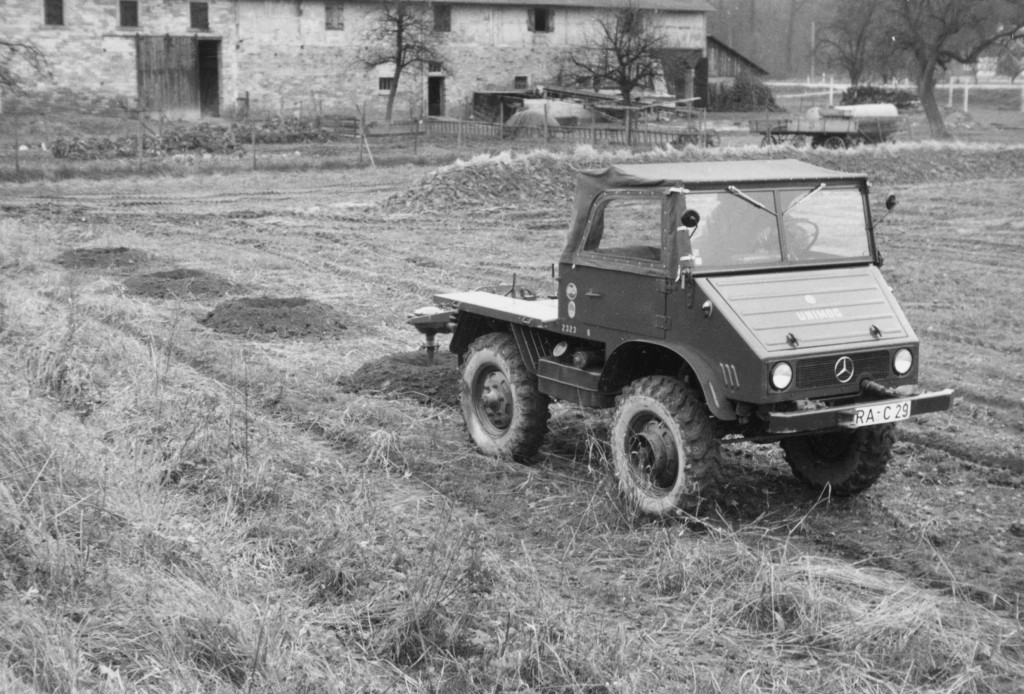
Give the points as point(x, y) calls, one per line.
point(168, 74)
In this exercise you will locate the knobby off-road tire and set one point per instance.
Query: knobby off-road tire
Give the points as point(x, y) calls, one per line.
point(663, 447)
point(841, 462)
point(506, 415)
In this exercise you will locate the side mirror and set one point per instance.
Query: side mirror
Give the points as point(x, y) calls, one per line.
point(890, 202)
point(691, 218)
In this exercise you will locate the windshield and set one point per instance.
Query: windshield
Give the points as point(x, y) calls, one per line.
point(807, 225)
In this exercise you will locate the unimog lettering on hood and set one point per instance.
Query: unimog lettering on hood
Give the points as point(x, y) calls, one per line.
point(819, 314)
point(701, 300)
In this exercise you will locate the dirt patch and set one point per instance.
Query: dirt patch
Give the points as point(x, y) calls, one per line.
point(102, 258)
point(266, 316)
point(181, 283)
point(408, 375)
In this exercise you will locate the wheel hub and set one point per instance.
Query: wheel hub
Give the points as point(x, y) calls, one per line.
point(495, 400)
point(654, 453)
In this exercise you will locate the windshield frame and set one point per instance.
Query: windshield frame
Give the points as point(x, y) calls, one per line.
point(749, 192)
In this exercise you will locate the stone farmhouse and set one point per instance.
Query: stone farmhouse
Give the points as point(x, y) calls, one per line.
point(207, 57)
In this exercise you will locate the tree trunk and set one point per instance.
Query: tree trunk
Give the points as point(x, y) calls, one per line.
point(392, 94)
point(926, 92)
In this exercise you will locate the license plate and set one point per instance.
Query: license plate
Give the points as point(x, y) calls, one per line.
point(893, 411)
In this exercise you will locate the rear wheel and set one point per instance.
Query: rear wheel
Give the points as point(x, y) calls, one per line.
point(663, 449)
point(505, 413)
point(841, 462)
point(834, 142)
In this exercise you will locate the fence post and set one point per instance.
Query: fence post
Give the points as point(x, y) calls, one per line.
point(967, 89)
point(141, 137)
point(252, 130)
point(629, 127)
point(950, 103)
point(17, 145)
point(501, 118)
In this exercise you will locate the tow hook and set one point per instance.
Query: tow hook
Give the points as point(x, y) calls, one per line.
point(877, 390)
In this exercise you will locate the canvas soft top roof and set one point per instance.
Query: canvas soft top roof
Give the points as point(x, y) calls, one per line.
point(731, 172)
point(590, 184)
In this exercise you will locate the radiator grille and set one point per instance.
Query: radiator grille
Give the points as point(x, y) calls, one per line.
point(820, 372)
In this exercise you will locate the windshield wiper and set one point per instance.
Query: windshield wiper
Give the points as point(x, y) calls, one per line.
point(740, 194)
point(802, 198)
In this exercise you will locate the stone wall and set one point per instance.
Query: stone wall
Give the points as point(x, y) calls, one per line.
point(280, 55)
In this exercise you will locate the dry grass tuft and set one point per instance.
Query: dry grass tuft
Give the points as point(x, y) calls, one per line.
point(861, 629)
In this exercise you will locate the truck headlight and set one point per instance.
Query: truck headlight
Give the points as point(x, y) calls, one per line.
point(781, 375)
point(902, 362)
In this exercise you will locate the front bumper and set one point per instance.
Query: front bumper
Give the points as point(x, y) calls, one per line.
point(844, 416)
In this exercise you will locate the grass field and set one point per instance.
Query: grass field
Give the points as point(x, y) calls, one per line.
point(293, 505)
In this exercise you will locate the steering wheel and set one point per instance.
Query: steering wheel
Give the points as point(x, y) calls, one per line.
point(802, 234)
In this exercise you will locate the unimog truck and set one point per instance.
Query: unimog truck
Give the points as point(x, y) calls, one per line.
point(738, 299)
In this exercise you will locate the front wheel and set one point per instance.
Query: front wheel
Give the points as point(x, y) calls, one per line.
point(663, 448)
point(505, 413)
point(842, 463)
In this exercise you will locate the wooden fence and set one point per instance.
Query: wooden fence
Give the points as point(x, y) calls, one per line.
point(645, 135)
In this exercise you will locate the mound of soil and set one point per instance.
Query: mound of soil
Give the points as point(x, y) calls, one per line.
point(408, 375)
point(102, 258)
point(181, 283)
point(266, 316)
point(537, 180)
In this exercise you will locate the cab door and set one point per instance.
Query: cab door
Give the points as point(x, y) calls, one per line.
point(621, 276)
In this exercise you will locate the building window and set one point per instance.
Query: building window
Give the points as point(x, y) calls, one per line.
point(435, 67)
point(53, 12)
point(384, 84)
point(129, 14)
point(199, 13)
point(520, 82)
point(442, 17)
point(541, 19)
point(334, 15)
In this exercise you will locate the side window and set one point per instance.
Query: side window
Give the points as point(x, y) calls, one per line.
point(199, 15)
point(334, 15)
point(442, 18)
point(53, 12)
point(540, 19)
point(628, 227)
point(129, 14)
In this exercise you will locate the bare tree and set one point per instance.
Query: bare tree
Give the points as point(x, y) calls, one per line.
point(1010, 59)
point(853, 39)
point(401, 34)
point(622, 49)
point(14, 52)
point(937, 33)
point(797, 8)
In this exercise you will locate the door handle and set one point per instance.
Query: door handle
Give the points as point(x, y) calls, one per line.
point(592, 294)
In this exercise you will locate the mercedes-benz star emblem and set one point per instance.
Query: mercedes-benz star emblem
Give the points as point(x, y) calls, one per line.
point(844, 369)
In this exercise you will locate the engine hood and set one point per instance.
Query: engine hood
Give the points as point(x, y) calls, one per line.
point(783, 311)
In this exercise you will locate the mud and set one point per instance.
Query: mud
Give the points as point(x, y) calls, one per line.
point(274, 317)
point(111, 257)
point(181, 283)
point(408, 375)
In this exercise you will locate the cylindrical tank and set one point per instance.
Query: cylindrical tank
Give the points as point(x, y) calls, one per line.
point(857, 111)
